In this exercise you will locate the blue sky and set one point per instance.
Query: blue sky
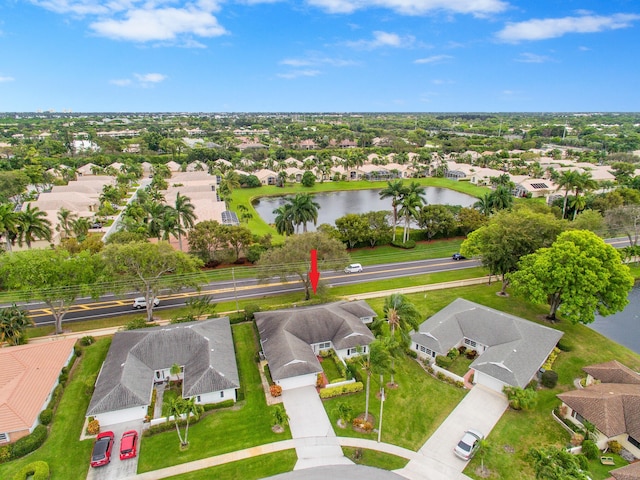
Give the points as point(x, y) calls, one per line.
point(319, 55)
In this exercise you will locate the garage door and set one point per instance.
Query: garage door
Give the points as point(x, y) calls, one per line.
point(487, 381)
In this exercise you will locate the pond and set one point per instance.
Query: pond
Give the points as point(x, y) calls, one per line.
point(334, 205)
point(623, 327)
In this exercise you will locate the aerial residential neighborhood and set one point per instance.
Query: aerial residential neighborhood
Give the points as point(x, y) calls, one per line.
point(438, 321)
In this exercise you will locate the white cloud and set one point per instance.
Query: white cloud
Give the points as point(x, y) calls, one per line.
point(80, 7)
point(532, 58)
point(433, 59)
point(315, 59)
point(143, 80)
point(414, 7)
point(161, 24)
point(299, 73)
point(4, 79)
point(584, 49)
point(383, 39)
point(542, 29)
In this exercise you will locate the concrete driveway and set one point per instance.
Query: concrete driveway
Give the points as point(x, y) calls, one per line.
point(480, 409)
point(117, 469)
point(315, 440)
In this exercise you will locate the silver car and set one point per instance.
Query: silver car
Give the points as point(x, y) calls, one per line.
point(468, 444)
point(141, 302)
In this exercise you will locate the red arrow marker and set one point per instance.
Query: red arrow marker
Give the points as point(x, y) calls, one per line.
point(314, 274)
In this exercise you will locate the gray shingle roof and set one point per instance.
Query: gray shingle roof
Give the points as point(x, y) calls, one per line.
point(286, 335)
point(204, 348)
point(517, 348)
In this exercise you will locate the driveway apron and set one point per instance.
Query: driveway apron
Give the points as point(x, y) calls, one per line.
point(316, 442)
point(117, 469)
point(480, 409)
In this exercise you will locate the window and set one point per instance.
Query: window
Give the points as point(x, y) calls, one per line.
point(426, 350)
point(577, 416)
point(632, 441)
point(4, 437)
point(324, 345)
point(222, 394)
point(198, 398)
point(471, 343)
point(352, 351)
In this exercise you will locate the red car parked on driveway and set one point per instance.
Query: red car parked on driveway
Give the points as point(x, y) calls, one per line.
point(101, 454)
point(128, 444)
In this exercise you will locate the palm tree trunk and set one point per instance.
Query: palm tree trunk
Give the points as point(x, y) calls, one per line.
point(366, 402)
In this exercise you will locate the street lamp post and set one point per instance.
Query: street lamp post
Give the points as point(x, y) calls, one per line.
point(381, 405)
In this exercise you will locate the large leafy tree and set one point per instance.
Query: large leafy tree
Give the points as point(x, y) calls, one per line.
point(293, 257)
point(379, 228)
point(208, 240)
point(436, 220)
point(403, 317)
point(55, 277)
point(508, 236)
point(552, 463)
point(150, 267)
point(578, 275)
point(353, 228)
point(13, 323)
point(624, 220)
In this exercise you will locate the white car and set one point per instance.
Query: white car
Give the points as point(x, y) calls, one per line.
point(141, 302)
point(468, 444)
point(353, 268)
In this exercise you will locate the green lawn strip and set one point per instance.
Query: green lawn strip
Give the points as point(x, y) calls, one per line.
point(67, 456)
point(248, 424)
point(374, 458)
point(168, 395)
point(330, 369)
point(598, 471)
point(252, 468)
point(412, 411)
point(460, 365)
point(422, 251)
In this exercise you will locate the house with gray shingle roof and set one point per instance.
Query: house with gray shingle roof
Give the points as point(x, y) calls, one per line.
point(511, 350)
point(138, 359)
point(292, 339)
point(610, 401)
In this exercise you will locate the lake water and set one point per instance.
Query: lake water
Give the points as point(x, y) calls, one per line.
point(334, 205)
point(623, 327)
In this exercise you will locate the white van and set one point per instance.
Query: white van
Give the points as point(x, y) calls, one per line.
point(353, 268)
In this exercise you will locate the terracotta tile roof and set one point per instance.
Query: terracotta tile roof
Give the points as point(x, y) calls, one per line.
point(613, 372)
point(27, 376)
point(629, 472)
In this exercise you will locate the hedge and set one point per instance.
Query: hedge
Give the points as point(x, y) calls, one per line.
point(30, 443)
point(443, 361)
point(46, 416)
point(330, 392)
point(34, 471)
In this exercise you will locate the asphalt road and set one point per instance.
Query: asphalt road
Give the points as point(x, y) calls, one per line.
point(224, 291)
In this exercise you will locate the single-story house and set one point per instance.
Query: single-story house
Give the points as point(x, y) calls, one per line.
point(28, 376)
point(628, 472)
point(610, 401)
point(511, 350)
point(138, 359)
point(292, 339)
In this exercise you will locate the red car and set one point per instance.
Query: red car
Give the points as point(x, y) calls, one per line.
point(128, 444)
point(101, 454)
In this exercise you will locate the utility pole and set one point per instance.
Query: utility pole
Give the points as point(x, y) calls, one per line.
point(381, 405)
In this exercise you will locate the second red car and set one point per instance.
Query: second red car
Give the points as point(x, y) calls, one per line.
point(128, 444)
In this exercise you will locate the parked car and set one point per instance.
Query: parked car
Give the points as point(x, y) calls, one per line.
point(128, 445)
point(457, 256)
point(101, 454)
point(96, 225)
point(141, 302)
point(468, 444)
point(353, 268)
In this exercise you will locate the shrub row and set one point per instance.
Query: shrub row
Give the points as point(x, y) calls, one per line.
point(215, 406)
point(443, 361)
point(30, 443)
point(330, 392)
point(34, 471)
point(408, 245)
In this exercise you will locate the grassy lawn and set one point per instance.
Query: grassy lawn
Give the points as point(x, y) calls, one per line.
point(330, 369)
point(251, 468)
point(598, 471)
point(460, 365)
point(373, 458)
point(68, 457)
point(246, 425)
point(412, 412)
point(168, 396)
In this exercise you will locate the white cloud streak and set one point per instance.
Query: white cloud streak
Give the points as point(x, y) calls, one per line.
point(532, 58)
point(143, 80)
point(542, 29)
point(414, 7)
point(433, 59)
point(383, 39)
point(4, 79)
point(299, 73)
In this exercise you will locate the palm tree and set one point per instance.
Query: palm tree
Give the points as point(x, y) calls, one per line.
point(65, 221)
point(403, 317)
point(191, 408)
point(170, 224)
point(304, 210)
point(175, 371)
point(501, 198)
point(377, 360)
point(228, 184)
point(13, 322)
point(8, 224)
point(584, 182)
point(284, 220)
point(484, 204)
point(33, 224)
point(176, 410)
point(394, 190)
point(411, 200)
point(155, 218)
point(186, 214)
point(566, 180)
point(80, 227)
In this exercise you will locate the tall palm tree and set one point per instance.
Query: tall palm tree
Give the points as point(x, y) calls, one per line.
point(584, 182)
point(377, 360)
point(176, 410)
point(501, 198)
point(411, 201)
point(304, 210)
point(80, 228)
point(484, 204)
point(284, 220)
point(65, 221)
point(33, 224)
point(403, 317)
point(567, 180)
point(228, 184)
point(186, 215)
point(155, 218)
point(394, 190)
point(8, 224)
point(191, 408)
point(170, 224)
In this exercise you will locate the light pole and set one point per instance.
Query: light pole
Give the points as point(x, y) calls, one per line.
point(381, 405)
